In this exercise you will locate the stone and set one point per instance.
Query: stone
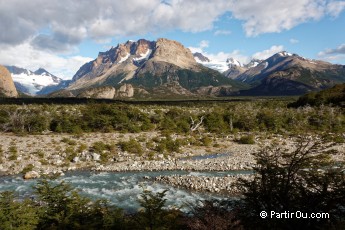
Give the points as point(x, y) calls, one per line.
point(7, 87)
point(103, 92)
point(31, 175)
point(126, 90)
point(95, 156)
point(76, 159)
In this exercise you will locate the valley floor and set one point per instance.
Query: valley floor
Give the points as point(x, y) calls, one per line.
point(36, 155)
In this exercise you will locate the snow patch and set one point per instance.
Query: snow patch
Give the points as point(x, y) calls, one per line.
point(124, 58)
point(198, 60)
point(217, 65)
point(232, 61)
point(285, 54)
point(33, 82)
point(143, 56)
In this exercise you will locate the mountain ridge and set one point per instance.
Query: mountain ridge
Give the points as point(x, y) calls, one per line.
point(149, 66)
point(34, 82)
point(285, 74)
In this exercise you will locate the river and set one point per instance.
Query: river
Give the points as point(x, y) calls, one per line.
point(120, 188)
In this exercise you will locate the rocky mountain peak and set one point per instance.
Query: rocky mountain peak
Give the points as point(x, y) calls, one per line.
point(284, 54)
point(7, 87)
point(199, 57)
point(42, 71)
point(233, 62)
point(173, 52)
point(254, 62)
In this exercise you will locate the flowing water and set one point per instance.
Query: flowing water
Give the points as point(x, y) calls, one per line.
point(120, 188)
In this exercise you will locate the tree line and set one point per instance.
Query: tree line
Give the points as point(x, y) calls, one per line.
point(217, 117)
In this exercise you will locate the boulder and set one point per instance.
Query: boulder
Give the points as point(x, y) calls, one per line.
point(95, 156)
point(7, 87)
point(31, 175)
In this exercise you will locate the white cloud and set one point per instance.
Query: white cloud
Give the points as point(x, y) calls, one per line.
point(69, 22)
point(335, 8)
point(293, 41)
point(339, 50)
point(267, 16)
point(236, 54)
point(200, 48)
point(220, 56)
point(268, 53)
point(222, 32)
point(204, 44)
point(26, 56)
point(223, 56)
point(333, 55)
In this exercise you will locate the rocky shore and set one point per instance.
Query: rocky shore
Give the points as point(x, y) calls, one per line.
point(57, 153)
point(225, 184)
point(223, 163)
point(36, 155)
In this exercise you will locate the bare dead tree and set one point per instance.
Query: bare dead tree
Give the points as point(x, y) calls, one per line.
point(17, 119)
point(195, 126)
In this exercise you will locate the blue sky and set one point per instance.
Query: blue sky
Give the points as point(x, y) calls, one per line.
point(62, 35)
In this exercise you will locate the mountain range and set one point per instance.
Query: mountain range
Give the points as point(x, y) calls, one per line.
point(284, 74)
point(34, 82)
point(166, 69)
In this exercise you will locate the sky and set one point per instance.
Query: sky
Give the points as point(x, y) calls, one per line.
point(62, 35)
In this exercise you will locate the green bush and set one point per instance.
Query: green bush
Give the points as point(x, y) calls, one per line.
point(247, 139)
point(100, 146)
point(168, 144)
point(27, 168)
point(68, 141)
point(131, 146)
point(13, 152)
point(206, 141)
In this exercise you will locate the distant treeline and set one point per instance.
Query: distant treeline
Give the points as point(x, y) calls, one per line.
point(77, 101)
point(333, 96)
point(215, 117)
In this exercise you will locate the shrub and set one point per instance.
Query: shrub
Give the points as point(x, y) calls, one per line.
point(206, 141)
point(13, 152)
point(27, 168)
point(82, 147)
point(248, 139)
point(100, 146)
point(68, 141)
point(70, 153)
point(131, 146)
point(305, 179)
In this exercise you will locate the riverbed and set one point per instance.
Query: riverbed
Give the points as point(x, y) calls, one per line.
point(121, 188)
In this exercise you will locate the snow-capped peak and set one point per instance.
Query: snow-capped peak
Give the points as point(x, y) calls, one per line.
point(254, 62)
point(233, 62)
point(42, 72)
point(285, 54)
point(32, 82)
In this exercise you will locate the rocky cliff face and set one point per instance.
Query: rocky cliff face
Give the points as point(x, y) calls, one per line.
point(130, 53)
point(108, 92)
point(104, 92)
point(150, 66)
point(7, 87)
